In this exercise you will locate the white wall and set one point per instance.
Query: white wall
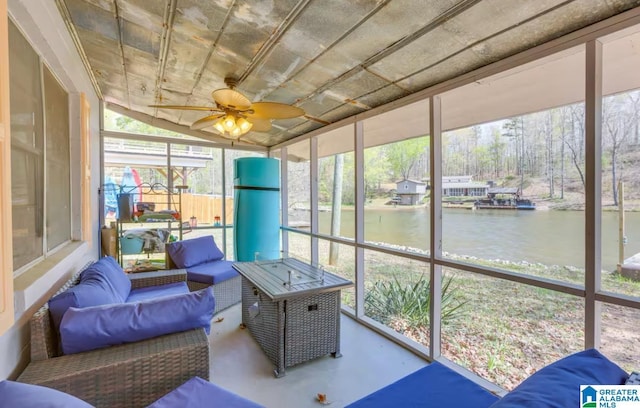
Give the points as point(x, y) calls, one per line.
point(41, 23)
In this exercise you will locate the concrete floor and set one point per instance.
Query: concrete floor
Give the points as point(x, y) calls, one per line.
point(368, 363)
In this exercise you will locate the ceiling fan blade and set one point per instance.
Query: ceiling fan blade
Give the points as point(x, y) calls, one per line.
point(186, 107)
point(260, 125)
point(230, 98)
point(206, 121)
point(274, 110)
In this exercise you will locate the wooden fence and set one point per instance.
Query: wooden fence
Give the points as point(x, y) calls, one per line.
point(204, 207)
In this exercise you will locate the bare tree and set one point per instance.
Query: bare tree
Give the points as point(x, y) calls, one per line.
point(575, 144)
point(547, 129)
point(617, 123)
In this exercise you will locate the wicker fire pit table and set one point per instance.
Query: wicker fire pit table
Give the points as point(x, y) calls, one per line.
point(292, 309)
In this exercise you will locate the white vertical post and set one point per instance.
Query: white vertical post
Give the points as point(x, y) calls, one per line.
point(314, 199)
point(284, 198)
point(435, 152)
point(593, 204)
point(621, 231)
point(224, 205)
point(359, 167)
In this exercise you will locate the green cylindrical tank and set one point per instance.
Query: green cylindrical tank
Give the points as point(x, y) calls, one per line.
point(256, 215)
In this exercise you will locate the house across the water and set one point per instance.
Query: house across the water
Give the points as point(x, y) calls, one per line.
point(410, 192)
point(458, 186)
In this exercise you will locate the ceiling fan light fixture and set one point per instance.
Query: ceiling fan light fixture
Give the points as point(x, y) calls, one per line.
point(229, 122)
point(219, 126)
point(236, 132)
point(244, 125)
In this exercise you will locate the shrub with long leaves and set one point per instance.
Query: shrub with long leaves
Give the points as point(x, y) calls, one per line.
point(390, 299)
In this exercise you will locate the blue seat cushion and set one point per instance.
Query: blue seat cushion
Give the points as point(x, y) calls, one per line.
point(15, 394)
point(194, 251)
point(212, 272)
point(558, 384)
point(154, 292)
point(198, 393)
point(96, 327)
point(432, 386)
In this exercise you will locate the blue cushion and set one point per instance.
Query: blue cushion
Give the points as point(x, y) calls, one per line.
point(94, 290)
point(15, 394)
point(198, 393)
point(558, 384)
point(154, 292)
point(108, 269)
point(194, 251)
point(108, 325)
point(432, 386)
point(212, 272)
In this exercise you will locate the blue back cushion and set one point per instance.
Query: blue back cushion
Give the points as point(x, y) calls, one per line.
point(109, 270)
point(15, 394)
point(109, 325)
point(94, 289)
point(558, 384)
point(193, 252)
point(200, 393)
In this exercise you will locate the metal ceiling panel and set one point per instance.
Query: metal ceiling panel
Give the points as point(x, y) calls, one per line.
point(459, 64)
point(388, 93)
point(185, 59)
point(342, 111)
point(503, 16)
point(141, 64)
point(558, 22)
point(145, 13)
point(291, 89)
point(418, 55)
point(140, 38)
point(381, 31)
point(202, 20)
point(93, 19)
point(272, 74)
point(351, 88)
point(332, 58)
point(320, 104)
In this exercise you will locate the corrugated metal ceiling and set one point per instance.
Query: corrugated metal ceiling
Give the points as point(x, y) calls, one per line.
point(332, 58)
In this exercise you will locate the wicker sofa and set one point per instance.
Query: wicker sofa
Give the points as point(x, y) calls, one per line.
point(127, 375)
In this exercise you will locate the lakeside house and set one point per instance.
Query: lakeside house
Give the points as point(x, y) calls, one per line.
point(456, 186)
point(410, 192)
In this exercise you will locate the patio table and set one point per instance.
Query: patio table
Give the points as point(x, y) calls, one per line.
point(292, 309)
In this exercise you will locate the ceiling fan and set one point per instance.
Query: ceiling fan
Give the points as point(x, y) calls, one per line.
point(234, 114)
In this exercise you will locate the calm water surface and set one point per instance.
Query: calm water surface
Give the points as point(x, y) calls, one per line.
point(544, 236)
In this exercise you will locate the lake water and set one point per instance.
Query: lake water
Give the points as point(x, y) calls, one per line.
point(540, 236)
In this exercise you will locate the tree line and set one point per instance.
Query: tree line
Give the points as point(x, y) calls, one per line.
point(546, 146)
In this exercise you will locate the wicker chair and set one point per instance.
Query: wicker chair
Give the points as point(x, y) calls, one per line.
point(128, 375)
point(227, 293)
